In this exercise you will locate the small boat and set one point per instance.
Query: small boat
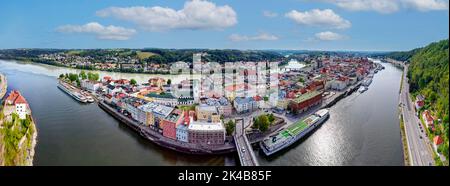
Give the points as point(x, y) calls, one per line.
point(362, 89)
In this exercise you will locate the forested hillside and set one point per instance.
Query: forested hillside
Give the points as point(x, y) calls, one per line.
point(429, 74)
point(403, 56)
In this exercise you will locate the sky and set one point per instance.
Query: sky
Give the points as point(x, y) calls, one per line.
point(357, 25)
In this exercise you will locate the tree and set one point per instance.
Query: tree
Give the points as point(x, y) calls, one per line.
point(169, 81)
point(78, 82)
point(93, 76)
point(301, 80)
point(83, 75)
point(133, 82)
point(230, 126)
point(73, 77)
point(61, 76)
point(271, 118)
point(263, 123)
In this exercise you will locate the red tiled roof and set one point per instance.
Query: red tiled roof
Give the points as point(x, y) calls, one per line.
point(437, 140)
point(20, 100)
point(15, 98)
point(420, 103)
point(257, 98)
point(428, 116)
point(12, 96)
point(186, 118)
point(290, 95)
point(343, 78)
point(230, 88)
point(122, 81)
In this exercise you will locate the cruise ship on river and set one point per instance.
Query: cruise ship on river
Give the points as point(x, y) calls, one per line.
point(293, 133)
point(71, 91)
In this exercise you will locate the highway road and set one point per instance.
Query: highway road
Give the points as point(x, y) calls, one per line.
point(419, 146)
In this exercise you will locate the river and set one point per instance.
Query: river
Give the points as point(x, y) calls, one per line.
point(363, 128)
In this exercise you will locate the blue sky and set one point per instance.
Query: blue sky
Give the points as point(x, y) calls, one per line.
point(360, 25)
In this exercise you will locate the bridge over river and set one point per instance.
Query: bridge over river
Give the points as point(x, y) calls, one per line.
point(246, 155)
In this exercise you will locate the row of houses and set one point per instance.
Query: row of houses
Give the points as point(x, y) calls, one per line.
point(202, 126)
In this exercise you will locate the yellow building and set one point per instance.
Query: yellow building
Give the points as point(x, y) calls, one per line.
point(207, 113)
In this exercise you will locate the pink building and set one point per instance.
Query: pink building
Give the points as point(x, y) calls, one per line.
point(169, 124)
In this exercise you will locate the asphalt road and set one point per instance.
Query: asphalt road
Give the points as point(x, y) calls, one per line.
point(419, 145)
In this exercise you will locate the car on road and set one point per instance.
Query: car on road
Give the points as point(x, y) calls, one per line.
point(243, 150)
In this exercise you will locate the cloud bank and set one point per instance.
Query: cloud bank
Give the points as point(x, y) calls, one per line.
point(317, 17)
point(390, 6)
point(259, 37)
point(102, 32)
point(329, 36)
point(196, 14)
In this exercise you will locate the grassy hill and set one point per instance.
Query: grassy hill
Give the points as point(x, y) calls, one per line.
point(144, 55)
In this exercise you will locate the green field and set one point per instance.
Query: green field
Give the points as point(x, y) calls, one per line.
point(144, 55)
point(75, 52)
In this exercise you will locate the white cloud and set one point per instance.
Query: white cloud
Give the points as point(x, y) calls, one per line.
point(102, 32)
point(317, 17)
point(196, 14)
point(259, 37)
point(269, 14)
point(382, 6)
point(427, 5)
point(390, 6)
point(329, 36)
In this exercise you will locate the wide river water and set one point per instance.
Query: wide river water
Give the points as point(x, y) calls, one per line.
point(363, 129)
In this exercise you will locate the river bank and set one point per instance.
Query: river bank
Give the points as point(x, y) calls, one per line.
point(18, 133)
point(3, 85)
